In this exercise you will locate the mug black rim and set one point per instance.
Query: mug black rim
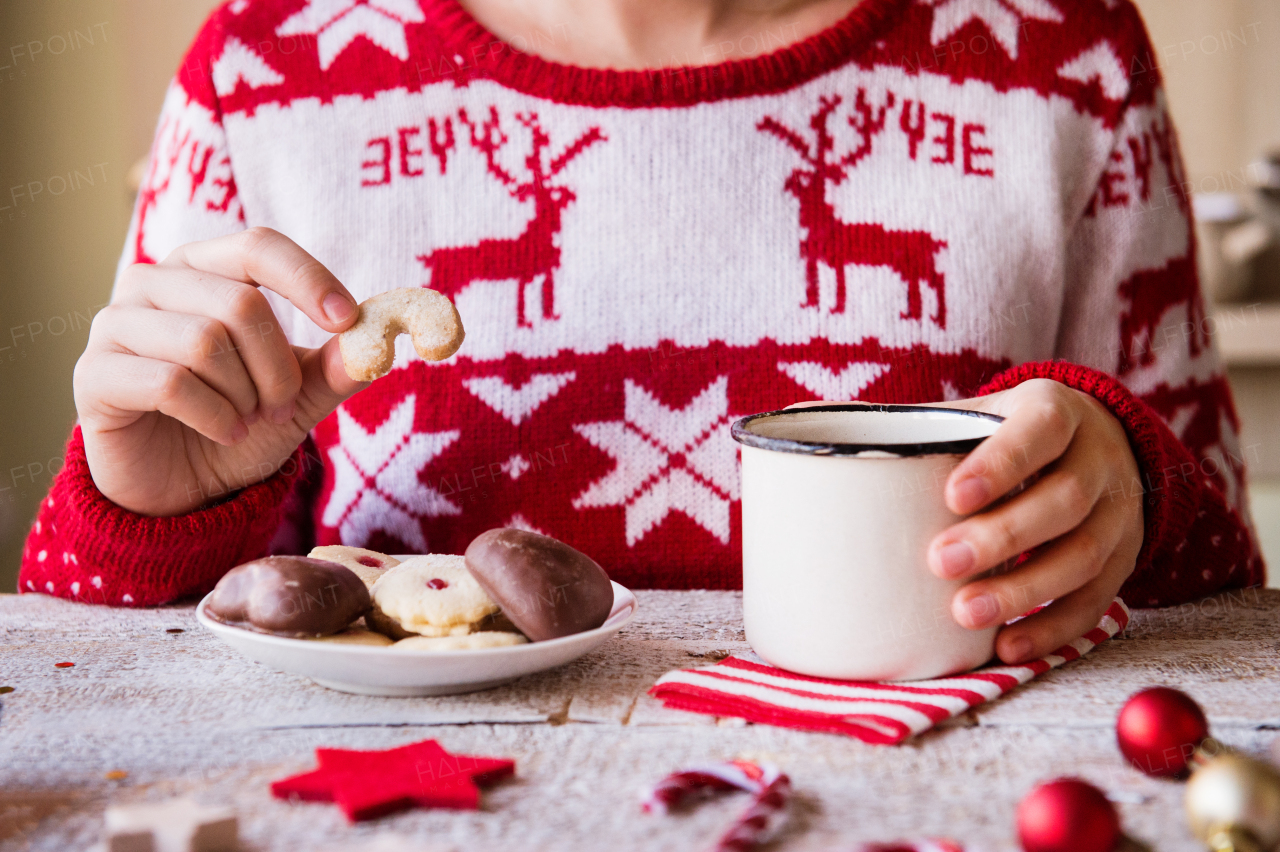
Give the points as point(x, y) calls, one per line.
point(744, 436)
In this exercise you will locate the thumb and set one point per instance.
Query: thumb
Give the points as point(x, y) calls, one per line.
point(325, 383)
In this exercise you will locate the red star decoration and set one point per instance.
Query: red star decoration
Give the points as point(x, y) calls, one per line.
point(368, 784)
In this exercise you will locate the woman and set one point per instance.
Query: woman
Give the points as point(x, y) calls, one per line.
point(655, 217)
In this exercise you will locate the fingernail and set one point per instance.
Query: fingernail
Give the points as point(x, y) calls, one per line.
point(1019, 650)
point(971, 493)
point(338, 308)
point(981, 610)
point(239, 432)
point(283, 414)
point(956, 558)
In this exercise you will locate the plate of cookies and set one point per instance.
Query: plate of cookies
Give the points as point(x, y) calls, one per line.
point(359, 621)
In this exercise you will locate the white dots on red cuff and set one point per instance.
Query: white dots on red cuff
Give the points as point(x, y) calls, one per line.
point(1216, 540)
point(1207, 574)
point(75, 588)
point(49, 586)
point(127, 599)
point(38, 526)
point(31, 585)
point(74, 561)
point(97, 582)
point(50, 502)
point(42, 556)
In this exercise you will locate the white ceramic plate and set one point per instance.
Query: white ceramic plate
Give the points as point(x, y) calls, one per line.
point(374, 670)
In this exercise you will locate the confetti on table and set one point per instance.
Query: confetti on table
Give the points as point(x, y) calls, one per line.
point(368, 784)
point(5, 690)
point(174, 630)
point(757, 823)
point(117, 775)
point(63, 665)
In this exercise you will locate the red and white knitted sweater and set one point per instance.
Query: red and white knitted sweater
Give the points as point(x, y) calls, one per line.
point(930, 200)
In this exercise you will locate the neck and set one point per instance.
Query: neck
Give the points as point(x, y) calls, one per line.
point(639, 34)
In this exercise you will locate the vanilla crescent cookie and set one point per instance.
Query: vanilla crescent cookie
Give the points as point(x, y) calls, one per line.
point(368, 347)
point(433, 595)
point(356, 636)
point(470, 642)
point(368, 565)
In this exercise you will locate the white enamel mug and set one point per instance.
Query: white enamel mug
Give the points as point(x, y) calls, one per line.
point(839, 504)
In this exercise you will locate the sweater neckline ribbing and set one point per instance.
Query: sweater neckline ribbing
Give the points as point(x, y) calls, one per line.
point(767, 73)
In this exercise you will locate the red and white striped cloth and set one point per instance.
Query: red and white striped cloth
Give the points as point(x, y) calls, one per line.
point(881, 713)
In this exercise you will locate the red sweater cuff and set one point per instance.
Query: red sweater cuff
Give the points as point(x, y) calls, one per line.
point(1169, 479)
point(84, 547)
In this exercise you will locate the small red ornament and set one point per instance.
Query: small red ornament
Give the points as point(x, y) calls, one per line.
point(1158, 730)
point(367, 784)
point(1067, 815)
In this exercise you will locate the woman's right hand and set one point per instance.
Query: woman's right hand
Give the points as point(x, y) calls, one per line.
point(189, 390)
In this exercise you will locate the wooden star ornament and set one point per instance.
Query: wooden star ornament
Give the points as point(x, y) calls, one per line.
point(368, 784)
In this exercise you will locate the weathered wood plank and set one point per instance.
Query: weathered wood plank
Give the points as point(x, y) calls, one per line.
point(183, 714)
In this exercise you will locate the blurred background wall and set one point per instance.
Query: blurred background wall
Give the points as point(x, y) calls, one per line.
point(81, 82)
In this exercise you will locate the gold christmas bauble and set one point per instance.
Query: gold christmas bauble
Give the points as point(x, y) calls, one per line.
point(1233, 804)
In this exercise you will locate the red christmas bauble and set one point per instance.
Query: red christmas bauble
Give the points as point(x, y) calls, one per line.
point(1158, 730)
point(1067, 815)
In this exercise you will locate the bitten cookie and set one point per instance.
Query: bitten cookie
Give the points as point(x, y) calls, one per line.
point(433, 595)
point(470, 642)
point(368, 347)
point(368, 565)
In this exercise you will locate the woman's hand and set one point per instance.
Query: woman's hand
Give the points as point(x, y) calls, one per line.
point(189, 389)
point(1083, 508)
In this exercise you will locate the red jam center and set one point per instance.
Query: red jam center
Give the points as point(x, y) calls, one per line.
point(368, 562)
point(437, 583)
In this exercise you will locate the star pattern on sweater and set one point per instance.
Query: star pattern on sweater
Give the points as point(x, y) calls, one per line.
point(1002, 18)
point(240, 63)
point(368, 784)
point(375, 479)
point(667, 460)
point(337, 23)
point(828, 384)
point(1100, 63)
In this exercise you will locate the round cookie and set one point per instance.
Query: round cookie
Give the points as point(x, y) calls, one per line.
point(289, 596)
point(544, 586)
point(368, 565)
point(431, 595)
point(368, 347)
point(470, 642)
point(356, 636)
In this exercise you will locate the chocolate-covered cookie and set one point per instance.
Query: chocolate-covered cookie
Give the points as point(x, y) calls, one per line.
point(289, 596)
point(544, 586)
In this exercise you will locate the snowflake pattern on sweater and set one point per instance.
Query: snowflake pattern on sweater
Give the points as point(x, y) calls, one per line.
point(927, 201)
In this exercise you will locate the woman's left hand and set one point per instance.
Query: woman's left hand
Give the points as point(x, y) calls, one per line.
point(1085, 508)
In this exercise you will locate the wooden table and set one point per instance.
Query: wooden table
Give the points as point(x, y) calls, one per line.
point(183, 714)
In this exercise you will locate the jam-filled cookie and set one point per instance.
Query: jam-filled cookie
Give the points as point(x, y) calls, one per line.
point(368, 565)
point(430, 595)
